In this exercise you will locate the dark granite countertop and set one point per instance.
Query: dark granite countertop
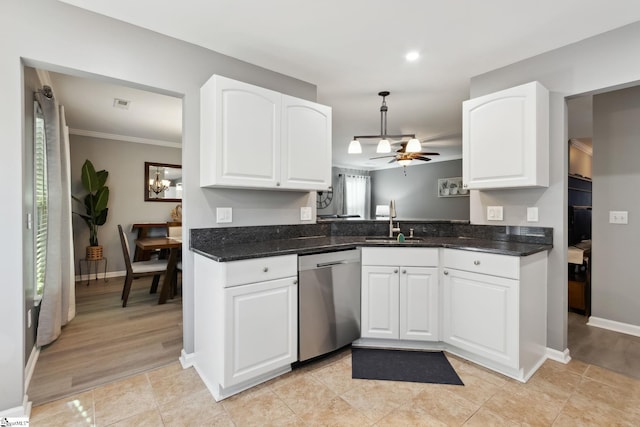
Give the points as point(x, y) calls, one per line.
point(318, 244)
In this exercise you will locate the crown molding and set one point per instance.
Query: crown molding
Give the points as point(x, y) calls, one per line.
point(124, 138)
point(579, 145)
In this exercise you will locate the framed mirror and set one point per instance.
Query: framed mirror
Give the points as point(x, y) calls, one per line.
point(162, 182)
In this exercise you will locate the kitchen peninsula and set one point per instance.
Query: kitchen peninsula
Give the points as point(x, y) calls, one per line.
point(476, 291)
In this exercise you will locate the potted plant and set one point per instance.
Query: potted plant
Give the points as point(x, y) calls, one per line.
point(444, 187)
point(95, 203)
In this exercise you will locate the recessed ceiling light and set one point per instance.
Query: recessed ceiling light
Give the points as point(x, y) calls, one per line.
point(412, 56)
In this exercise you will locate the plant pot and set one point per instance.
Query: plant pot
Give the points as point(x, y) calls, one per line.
point(94, 253)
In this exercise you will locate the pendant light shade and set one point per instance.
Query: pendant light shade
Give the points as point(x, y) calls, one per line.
point(383, 146)
point(355, 147)
point(413, 146)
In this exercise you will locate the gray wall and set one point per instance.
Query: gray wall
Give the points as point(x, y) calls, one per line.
point(595, 64)
point(616, 180)
point(416, 194)
point(59, 37)
point(125, 163)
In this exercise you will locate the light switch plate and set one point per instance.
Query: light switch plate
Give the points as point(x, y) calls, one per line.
point(224, 215)
point(532, 214)
point(494, 213)
point(618, 217)
point(305, 213)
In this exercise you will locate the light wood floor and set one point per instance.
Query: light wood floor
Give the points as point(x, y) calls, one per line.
point(106, 342)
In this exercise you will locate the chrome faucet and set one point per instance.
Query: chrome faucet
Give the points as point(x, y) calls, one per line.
point(392, 214)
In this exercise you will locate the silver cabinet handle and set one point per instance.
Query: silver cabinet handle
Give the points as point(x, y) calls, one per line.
point(295, 282)
point(395, 271)
point(265, 269)
point(404, 271)
point(476, 262)
point(277, 184)
point(446, 273)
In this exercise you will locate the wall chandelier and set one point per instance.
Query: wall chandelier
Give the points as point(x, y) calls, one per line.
point(384, 146)
point(158, 185)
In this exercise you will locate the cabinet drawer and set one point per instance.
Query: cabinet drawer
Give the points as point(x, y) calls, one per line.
point(483, 263)
point(260, 269)
point(415, 257)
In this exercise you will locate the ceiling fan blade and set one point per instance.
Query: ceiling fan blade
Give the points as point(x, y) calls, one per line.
point(392, 160)
point(429, 154)
point(381, 157)
point(424, 159)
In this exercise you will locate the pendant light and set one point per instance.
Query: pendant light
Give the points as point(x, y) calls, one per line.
point(158, 185)
point(384, 146)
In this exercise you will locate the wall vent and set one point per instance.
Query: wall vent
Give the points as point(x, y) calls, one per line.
point(121, 103)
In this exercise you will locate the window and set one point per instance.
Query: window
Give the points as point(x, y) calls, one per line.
point(41, 199)
point(357, 191)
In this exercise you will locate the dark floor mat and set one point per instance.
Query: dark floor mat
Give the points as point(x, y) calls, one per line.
point(402, 365)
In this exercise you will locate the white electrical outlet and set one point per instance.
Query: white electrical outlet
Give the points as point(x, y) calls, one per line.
point(618, 217)
point(305, 213)
point(532, 214)
point(494, 213)
point(224, 215)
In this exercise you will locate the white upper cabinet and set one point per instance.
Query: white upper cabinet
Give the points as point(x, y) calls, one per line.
point(306, 144)
point(254, 137)
point(505, 139)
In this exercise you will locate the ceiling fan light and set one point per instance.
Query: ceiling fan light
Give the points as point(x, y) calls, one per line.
point(383, 146)
point(404, 162)
point(413, 146)
point(354, 147)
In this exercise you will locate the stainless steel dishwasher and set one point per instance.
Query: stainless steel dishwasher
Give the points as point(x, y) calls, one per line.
point(328, 302)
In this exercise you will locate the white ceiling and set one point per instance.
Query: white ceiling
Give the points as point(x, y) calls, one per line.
point(89, 110)
point(353, 49)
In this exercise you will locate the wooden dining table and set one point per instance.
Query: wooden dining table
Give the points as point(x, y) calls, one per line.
point(173, 245)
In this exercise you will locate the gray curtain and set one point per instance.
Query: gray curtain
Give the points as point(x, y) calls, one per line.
point(339, 194)
point(58, 300)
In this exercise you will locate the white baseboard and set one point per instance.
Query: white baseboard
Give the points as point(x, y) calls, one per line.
point(559, 356)
point(612, 325)
point(31, 366)
point(186, 359)
point(101, 276)
point(22, 411)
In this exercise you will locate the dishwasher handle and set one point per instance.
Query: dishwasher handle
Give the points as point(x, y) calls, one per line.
point(329, 264)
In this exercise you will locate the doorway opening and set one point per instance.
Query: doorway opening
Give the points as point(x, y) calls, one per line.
point(105, 341)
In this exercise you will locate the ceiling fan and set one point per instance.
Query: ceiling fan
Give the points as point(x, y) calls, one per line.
point(404, 159)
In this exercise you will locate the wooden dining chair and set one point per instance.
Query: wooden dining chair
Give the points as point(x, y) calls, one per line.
point(137, 269)
point(174, 230)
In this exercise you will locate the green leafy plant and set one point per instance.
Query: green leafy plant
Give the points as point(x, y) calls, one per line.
point(95, 202)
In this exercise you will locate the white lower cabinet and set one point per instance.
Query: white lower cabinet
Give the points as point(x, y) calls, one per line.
point(260, 335)
point(494, 309)
point(399, 302)
point(481, 315)
point(246, 319)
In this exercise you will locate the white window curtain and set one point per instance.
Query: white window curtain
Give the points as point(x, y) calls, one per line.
point(357, 195)
point(57, 307)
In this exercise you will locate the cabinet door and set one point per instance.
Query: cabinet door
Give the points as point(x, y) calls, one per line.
point(419, 304)
point(306, 144)
point(505, 139)
point(240, 134)
point(260, 329)
point(380, 302)
point(480, 315)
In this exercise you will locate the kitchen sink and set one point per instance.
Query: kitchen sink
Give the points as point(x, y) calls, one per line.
point(392, 240)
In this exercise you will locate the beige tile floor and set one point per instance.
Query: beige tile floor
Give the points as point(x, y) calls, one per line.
point(323, 394)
